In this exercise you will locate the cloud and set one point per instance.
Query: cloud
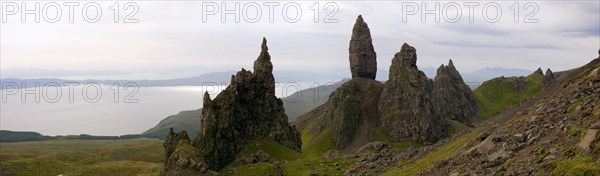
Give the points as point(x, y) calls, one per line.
point(485, 45)
point(591, 32)
point(172, 35)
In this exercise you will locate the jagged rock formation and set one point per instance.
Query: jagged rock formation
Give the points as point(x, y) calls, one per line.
point(363, 59)
point(548, 78)
point(539, 71)
point(404, 108)
point(246, 110)
point(453, 98)
point(405, 105)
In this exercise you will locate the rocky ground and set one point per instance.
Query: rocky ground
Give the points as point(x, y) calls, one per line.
point(556, 135)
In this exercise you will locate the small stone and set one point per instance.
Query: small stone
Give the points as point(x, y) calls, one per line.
point(498, 157)
point(519, 137)
point(331, 154)
point(482, 136)
point(586, 141)
point(586, 112)
point(550, 157)
point(532, 118)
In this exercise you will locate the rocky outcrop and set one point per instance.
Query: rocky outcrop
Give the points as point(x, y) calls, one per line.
point(539, 72)
point(548, 78)
point(363, 59)
point(351, 111)
point(185, 160)
point(405, 105)
point(246, 110)
point(453, 99)
point(172, 140)
point(181, 157)
point(542, 136)
point(363, 110)
point(351, 114)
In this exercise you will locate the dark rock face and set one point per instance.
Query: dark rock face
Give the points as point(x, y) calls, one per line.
point(539, 71)
point(405, 105)
point(363, 59)
point(351, 107)
point(246, 110)
point(453, 98)
point(548, 78)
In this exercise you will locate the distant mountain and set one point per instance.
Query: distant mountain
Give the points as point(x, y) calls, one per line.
point(204, 79)
point(25, 136)
point(184, 120)
point(308, 99)
point(493, 72)
point(52, 73)
point(20, 136)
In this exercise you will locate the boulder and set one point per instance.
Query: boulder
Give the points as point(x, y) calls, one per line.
point(587, 140)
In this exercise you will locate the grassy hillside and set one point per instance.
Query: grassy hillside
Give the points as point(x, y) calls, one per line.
point(77, 157)
point(18, 136)
point(551, 146)
point(184, 120)
point(308, 99)
point(310, 160)
point(499, 94)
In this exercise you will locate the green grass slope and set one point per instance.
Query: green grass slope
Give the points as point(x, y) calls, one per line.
point(184, 120)
point(499, 94)
point(83, 157)
point(569, 160)
point(306, 100)
point(18, 136)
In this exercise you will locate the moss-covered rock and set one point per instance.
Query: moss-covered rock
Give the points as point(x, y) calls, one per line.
point(185, 161)
point(453, 99)
point(351, 112)
point(406, 107)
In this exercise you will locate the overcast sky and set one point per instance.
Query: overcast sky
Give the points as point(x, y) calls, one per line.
point(173, 35)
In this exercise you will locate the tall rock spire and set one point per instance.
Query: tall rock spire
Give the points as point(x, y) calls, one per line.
point(453, 99)
point(263, 62)
point(548, 78)
point(405, 104)
point(539, 72)
point(246, 110)
point(363, 59)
